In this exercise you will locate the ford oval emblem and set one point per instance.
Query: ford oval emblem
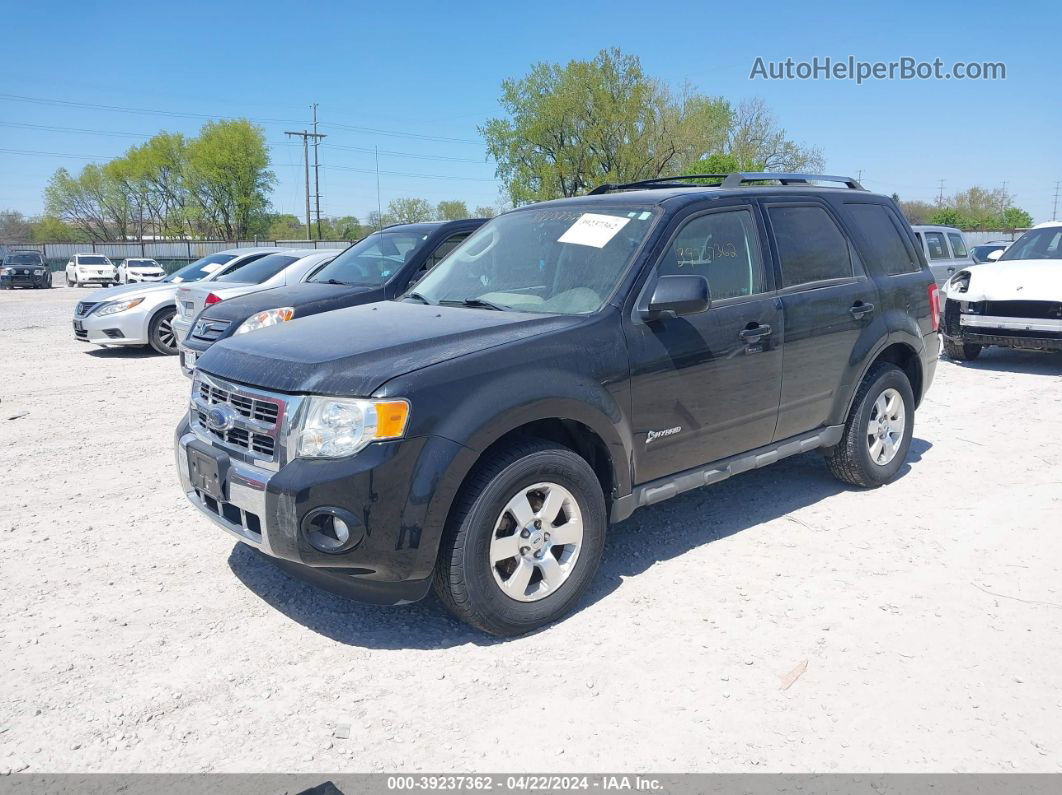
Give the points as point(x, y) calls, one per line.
point(220, 418)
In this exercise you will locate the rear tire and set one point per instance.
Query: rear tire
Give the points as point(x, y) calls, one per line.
point(961, 351)
point(162, 337)
point(877, 435)
point(489, 573)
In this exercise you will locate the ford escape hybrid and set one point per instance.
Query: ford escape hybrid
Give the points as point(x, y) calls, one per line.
point(568, 363)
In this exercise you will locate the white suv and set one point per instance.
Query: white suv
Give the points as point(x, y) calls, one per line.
point(90, 269)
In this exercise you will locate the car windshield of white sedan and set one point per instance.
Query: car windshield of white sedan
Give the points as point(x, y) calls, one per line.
point(565, 260)
point(1043, 243)
point(199, 269)
point(143, 263)
point(374, 260)
point(93, 261)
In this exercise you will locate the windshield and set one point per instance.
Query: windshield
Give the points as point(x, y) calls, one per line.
point(565, 260)
point(141, 263)
point(22, 259)
point(374, 260)
point(199, 269)
point(1043, 243)
point(260, 270)
point(93, 261)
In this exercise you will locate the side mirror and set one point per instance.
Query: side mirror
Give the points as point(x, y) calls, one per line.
point(674, 296)
point(995, 255)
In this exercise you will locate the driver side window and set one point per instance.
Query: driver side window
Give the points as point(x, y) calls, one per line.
point(440, 253)
point(724, 248)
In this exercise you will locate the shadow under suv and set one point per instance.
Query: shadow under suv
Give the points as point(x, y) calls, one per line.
point(570, 362)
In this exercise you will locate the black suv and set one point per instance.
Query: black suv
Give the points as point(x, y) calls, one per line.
point(568, 363)
point(377, 267)
point(24, 268)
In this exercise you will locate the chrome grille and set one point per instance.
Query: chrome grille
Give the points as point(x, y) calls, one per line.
point(84, 307)
point(209, 330)
point(256, 420)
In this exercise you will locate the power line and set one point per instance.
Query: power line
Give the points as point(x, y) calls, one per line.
point(184, 115)
point(409, 174)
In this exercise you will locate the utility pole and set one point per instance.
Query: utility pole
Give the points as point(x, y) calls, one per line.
point(306, 135)
point(1054, 209)
point(317, 170)
point(379, 206)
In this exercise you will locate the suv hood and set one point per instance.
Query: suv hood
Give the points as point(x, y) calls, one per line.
point(1012, 280)
point(308, 298)
point(354, 351)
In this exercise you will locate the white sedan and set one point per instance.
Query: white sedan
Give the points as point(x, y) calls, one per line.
point(140, 270)
point(1012, 302)
point(138, 315)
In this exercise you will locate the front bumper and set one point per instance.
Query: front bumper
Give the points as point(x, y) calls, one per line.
point(134, 278)
point(1032, 333)
point(23, 280)
point(385, 491)
point(181, 327)
point(122, 328)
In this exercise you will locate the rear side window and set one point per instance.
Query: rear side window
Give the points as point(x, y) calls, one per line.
point(258, 271)
point(938, 249)
point(724, 248)
point(811, 247)
point(958, 245)
point(883, 244)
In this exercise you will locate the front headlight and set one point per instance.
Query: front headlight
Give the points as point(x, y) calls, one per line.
point(115, 307)
point(269, 317)
point(338, 427)
point(6, 271)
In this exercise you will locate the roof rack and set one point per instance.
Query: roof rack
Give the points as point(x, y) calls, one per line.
point(658, 182)
point(735, 180)
point(740, 178)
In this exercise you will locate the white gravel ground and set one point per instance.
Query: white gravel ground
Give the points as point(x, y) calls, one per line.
point(135, 636)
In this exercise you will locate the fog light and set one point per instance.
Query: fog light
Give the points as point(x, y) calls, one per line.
point(331, 530)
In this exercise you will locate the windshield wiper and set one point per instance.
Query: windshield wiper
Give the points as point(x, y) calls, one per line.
point(418, 297)
point(476, 303)
point(336, 281)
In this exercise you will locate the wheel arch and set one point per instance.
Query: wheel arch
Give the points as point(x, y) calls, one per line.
point(902, 354)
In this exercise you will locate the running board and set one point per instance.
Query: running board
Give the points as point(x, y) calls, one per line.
point(665, 488)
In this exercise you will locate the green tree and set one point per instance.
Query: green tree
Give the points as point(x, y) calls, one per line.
point(947, 216)
point(1016, 218)
point(451, 210)
point(409, 211)
point(754, 137)
point(917, 212)
point(49, 229)
point(485, 211)
point(92, 201)
point(228, 178)
point(569, 128)
point(284, 226)
point(14, 228)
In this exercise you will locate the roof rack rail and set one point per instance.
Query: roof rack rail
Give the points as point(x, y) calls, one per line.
point(735, 180)
point(740, 178)
point(658, 182)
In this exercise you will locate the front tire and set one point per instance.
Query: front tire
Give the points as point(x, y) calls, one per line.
point(961, 351)
point(523, 540)
point(162, 337)
point(877, 435)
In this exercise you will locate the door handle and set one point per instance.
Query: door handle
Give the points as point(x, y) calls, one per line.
point(754, 334)
point(861, 310)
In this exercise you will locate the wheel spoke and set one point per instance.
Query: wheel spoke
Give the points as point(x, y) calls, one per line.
point(571, 532)
point(894, 407)
point(521, 511)
point(872, 428)
point(516, 585)
point(552, 573)
point(875, 449)
point(551, 507)
point(880, 406)
point(889, 444)
point(504, 548)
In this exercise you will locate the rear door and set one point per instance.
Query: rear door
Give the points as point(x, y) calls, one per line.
point(705, 386)
point(827, 300)
point(938, 252)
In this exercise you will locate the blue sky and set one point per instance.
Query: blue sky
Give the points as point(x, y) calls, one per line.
point(415, 80)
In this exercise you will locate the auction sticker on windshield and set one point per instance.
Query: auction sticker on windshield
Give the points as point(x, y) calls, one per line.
point(593, 229)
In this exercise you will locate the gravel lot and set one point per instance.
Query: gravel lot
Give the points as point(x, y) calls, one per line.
point(136, 636)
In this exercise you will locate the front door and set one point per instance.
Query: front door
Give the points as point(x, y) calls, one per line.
point(705, 386)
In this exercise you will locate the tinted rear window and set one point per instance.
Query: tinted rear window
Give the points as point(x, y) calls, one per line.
point(882, 244)
point(259, 270)
point(810, 245)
